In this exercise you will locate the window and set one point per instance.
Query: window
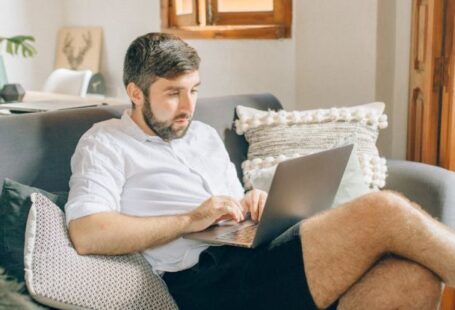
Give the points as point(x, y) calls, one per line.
point(209, 19)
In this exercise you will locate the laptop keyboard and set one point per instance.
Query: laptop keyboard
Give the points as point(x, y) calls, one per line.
point(242, 235)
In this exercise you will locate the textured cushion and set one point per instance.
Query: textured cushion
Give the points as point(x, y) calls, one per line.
point(57, 276)
point(351, 186)
point(14, 206)
point(277, 136)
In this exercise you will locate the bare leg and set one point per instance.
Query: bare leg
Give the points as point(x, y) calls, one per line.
point(394, 283)
point(341, 245)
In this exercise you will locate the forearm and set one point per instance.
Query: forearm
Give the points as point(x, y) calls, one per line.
point(115, 233)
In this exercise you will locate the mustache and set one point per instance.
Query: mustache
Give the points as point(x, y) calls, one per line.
point(182, 116)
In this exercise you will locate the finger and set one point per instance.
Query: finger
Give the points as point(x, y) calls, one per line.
point(235, 202)
point(244, 205)
point(262, 200)
point(253, 211)
point(255, 197)
point(233, 210)
point(239, 211)
point(251, 204)
point(251, 208)
point(222, 209)
point(238, 206)
point(227, 213)
point(256, 204)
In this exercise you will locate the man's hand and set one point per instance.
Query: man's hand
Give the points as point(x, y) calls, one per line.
point(213, 210)
point(254, 202)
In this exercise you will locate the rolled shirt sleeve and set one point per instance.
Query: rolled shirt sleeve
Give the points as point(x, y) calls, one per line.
point(97, 177)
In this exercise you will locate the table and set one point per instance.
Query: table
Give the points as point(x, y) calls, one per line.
point(31, 96)
point(35, 96)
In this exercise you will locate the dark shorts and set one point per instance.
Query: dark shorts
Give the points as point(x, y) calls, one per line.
point(268, 277)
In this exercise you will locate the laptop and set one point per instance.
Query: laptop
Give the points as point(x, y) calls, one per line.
point(300, 188)
point(44, 106)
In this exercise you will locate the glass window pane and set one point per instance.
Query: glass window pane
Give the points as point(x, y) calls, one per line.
point(245, 5)
point(183, 7)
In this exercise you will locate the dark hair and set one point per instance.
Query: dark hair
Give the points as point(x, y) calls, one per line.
point(157, 55)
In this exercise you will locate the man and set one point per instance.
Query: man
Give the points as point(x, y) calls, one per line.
point(140, 183)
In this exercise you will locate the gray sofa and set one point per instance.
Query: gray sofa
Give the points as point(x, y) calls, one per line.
point(35, 149)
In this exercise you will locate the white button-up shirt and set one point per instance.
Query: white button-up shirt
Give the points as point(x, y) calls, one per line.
point(117, 167)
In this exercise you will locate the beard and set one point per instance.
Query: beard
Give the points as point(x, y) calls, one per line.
point(164, 130)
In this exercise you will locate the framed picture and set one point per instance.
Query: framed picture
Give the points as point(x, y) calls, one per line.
point(79, 48)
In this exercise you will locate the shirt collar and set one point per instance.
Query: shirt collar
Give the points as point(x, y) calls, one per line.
point(134, 130)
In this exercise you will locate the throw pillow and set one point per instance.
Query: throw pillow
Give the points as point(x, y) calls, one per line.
point(277, 136)
point(57, 276)
point(351, 186)
point(14, 206)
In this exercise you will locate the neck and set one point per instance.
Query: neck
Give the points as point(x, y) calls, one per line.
point(138, 118)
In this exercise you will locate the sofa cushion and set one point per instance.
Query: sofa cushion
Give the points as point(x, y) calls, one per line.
point(14, 206)
point(351, 186)
point(277, 136)
point(57, 276)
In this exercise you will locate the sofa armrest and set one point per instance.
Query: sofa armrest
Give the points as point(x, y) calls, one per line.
point(431, 187)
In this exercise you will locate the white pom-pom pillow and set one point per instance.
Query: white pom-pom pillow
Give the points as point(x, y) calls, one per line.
point(274, 136)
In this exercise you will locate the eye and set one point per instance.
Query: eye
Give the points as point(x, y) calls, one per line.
point(172, 94)
point(194, 91)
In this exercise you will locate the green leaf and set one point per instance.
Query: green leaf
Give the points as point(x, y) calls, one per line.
point(20, 43)
point(9, 47)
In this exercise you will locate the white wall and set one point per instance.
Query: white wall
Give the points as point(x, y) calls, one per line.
point(335, 52)
point(341, 53)
point(385, 65)
point(246, 66)
point(227, 67)
point(353, 52)
point(392, 72)
point(401, 78)
point(40, 18)
point(122, 21)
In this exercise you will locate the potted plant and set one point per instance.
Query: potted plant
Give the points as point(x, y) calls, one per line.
point(16, 45)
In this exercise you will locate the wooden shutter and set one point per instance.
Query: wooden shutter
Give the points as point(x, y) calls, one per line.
point(424, 97)
point(447, 80)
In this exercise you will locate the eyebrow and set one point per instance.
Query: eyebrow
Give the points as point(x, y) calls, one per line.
point(180, 88)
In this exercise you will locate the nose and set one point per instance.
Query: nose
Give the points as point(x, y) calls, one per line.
point(187, 102)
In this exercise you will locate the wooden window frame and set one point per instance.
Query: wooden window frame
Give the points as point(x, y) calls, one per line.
point(248, 18)
point(183, 20)
point(227, 25)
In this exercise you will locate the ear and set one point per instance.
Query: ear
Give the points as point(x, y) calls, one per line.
point(136, 95)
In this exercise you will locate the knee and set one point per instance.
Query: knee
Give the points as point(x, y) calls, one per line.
point(382, 215)
point(382, 206)
point(388, 201)
point(394, 284)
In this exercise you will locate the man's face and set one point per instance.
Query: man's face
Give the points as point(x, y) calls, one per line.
point(169, 107)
